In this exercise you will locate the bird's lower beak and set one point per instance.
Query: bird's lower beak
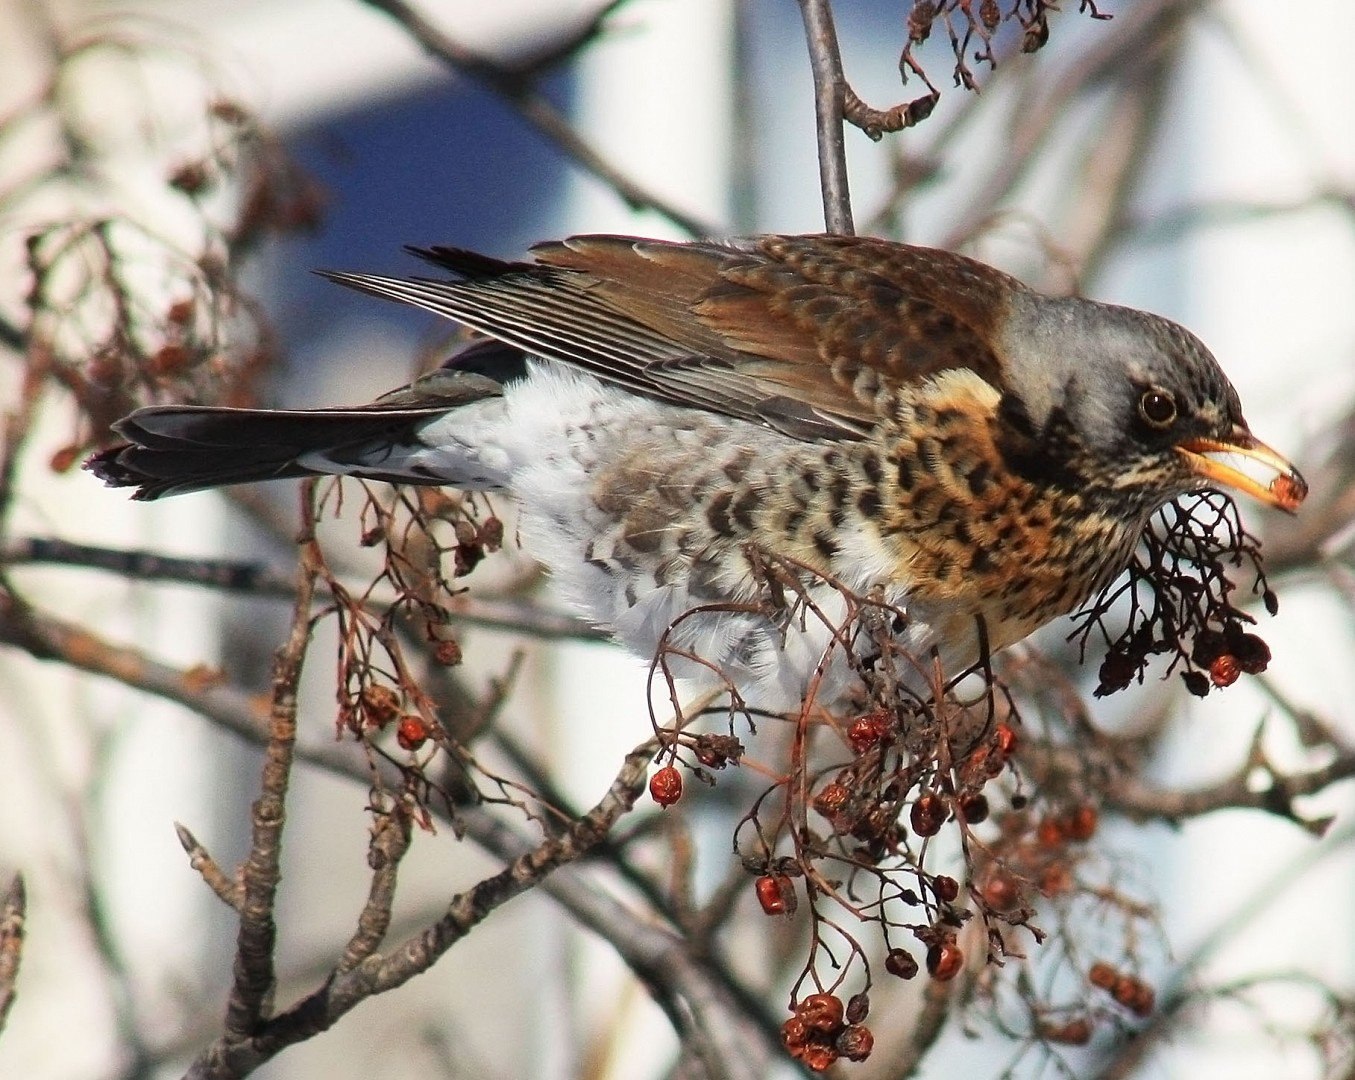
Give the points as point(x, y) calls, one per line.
point(1285, 491)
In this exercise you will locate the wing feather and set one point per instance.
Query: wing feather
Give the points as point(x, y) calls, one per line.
point(814, 335)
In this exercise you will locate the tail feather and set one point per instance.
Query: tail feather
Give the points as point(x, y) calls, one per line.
point(175, 449)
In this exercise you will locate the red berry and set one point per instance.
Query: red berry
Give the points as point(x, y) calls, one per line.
point(928, 814)
point(1080, 825)
point(1004, 738)
point(821, 1012)
point(1102, 975)
point(831, 799)
point(1051, 833)
point(866, 731)
point(776, 894)
point(665, 786)
point(946, 888)
point(1001, 892)
point(1224, 670)
point(1134, 994)
point(819, 1057)
point(944, 961)
point(412, 732)
point(1076, 1032)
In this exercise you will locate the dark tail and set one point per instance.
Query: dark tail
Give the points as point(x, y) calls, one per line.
point(173, 449)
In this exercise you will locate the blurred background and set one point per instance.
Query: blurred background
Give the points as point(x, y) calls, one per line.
point(1196, 159)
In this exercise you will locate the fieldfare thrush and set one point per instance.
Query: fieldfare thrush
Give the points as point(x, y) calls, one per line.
point(908, 423)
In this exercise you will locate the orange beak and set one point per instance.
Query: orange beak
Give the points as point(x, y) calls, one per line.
point(1285, 491)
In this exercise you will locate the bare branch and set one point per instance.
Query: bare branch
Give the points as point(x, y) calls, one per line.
point(830, 86)
point(254, 974)
point(518, 89)
point(13, 912)
point(525, 617)
point(389, 843)
point(230, 893)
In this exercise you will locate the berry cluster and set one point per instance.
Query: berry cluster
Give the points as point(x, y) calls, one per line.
point(821, 1030)
point(1179, 594)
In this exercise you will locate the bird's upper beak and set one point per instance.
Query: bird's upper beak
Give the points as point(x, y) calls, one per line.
point(1286, 489)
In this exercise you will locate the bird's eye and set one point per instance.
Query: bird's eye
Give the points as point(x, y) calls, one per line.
point(1158, 409)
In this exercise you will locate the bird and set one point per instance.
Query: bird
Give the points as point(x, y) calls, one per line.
point(891, 421)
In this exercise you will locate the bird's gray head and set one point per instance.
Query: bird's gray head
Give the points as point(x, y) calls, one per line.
point(1131, 402)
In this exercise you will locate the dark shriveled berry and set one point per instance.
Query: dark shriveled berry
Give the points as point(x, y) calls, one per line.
point(855, 1043)
point(927, 815)
point(900, 964)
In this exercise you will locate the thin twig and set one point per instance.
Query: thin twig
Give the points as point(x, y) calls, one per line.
point(830, 85)
point(258, 579)
point(519, 90)
point(228, 891)
point(254, 970)
point(13, 911)
point(389, 844)
point(1137, 35)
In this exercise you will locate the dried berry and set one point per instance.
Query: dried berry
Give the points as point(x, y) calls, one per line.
point(831, 800)
point(974, 808)
point(900, 964)
point(1253, 654)
point(920, 21)
point(1289, 490)
point(819, 1056)
point(821, 1012)
point(1004, 738)
point(1196, 682)
point(665, 786)
point(1056, 880)
point(855, 1042)
point(1102, 975)
point(928, 814)
point(1117, 671)
point(1080, 824)
point(380, 705)
point(1001, 892)
point(776, 894)
point(946, 888)
point(412, 732)
point(1075, 1032)
point(1134, 994)
point(858, 1008)
point(865, 732)
point(1224, 670)
point(1208, 645)
point(944, 961)
point(1051, 832)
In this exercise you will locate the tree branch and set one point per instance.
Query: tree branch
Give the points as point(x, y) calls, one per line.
point(518, 89)
point(830, 86)
point(13, 911)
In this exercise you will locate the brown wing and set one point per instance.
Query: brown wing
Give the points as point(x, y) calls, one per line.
point(810, 334)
